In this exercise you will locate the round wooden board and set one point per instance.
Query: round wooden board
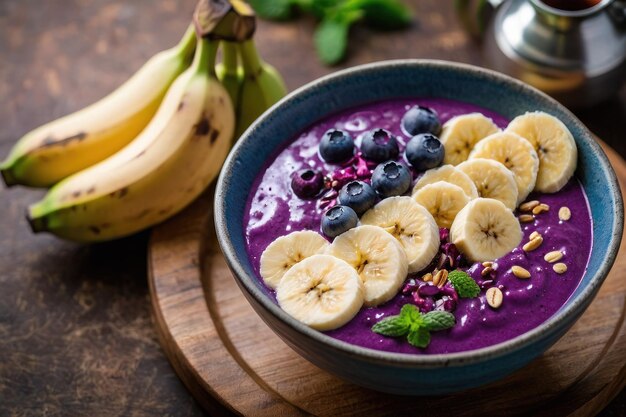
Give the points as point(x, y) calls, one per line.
point(233, 363)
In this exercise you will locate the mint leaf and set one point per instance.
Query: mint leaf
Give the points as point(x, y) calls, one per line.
point(464, 285)
point(438, 320)
point(385, 14)
point(411, 313)
point(393, 326)
point(419, 338)
point(331, 40)
point(272, 9)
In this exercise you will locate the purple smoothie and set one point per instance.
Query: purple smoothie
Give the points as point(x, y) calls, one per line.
point(273, 211)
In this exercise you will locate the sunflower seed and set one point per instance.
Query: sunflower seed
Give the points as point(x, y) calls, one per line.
point(560, 268)
point(553, 256)
point(427, 277)
point(526, 218)
point(494, 297)
point(541, 208)
point(520, 272)
point(533, 244)
point(529, 205)
point(565, 214)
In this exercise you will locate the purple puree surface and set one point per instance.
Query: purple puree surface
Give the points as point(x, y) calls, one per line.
point(273, 210)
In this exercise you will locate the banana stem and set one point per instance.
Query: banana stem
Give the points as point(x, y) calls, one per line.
point(229, 57)
point(187, 44)
point(250, 57)
point(204, 60)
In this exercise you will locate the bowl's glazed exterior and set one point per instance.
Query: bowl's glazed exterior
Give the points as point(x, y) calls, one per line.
point(394, 372)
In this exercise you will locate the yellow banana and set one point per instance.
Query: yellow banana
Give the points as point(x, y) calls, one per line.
point(262, 87)
point(165, 168)
point(67, 145)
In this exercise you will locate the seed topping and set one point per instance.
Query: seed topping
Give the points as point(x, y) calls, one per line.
point(526, 218)
point(541, 208)
point(529, 205)
point(559, 268)
point(520, 272)
point(564, 213)
point(494, 297)
point(553, 256)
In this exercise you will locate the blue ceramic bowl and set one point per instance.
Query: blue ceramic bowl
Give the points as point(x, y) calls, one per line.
point(393, 372)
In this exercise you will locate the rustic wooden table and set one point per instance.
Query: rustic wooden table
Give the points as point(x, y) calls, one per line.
point(76, 336)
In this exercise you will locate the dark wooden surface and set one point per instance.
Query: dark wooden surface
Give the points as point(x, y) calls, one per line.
point(76, 336)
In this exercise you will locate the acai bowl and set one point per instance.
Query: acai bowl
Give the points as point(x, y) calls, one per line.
point(447, 313)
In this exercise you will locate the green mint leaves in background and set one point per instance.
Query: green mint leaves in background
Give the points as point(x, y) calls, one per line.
point(336, 18)
point(414, 325)
point(463, 284)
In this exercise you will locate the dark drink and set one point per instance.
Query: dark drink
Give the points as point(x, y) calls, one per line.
point(571, 5)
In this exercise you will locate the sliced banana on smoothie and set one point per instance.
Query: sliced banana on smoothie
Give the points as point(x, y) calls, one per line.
point(443, 201)
point(515, 153)
point(288, 250)
point(378, 259)
point(485, 229)
point(412, 226)
point(321, 291)
point(492, 180)
point(555, 147)
point(447, 173)
point(461, 133)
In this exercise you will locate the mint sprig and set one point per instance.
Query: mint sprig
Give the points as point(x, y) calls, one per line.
point(463, 284)
point(414, 325)
point(336, 17)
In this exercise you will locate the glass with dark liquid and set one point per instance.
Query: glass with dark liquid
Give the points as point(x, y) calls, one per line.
point(571, 5)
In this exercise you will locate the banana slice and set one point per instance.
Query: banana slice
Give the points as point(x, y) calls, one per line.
point(322, 292)
point(377, 257)
point(555, 147)
point(286, 251)
point(411, 224)
point(492, 180)
point(485, 230)
point(447, 173)
point(515, 153)
point(443, 201)
point(460, 134)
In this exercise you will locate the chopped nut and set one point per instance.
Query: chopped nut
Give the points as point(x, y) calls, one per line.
point(494, 297)
point(553, 256)
point(565, 214)
point(520, 272)
point(533, 244)
point(487, 264)
point(486, 271)
point(427, 277)
point(560, 268)
point(440, 278)
point(534, 235)
point(529, 205)
point(541, 208)
point(526, 218)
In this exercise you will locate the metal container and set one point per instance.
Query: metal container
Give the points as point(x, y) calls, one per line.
point(578, 57)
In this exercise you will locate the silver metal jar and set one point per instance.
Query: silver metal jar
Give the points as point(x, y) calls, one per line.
point(578, 57)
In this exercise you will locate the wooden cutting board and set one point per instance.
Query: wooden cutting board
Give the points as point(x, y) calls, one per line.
point(234, 364)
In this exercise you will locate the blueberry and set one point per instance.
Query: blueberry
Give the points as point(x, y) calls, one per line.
point(421, 120)
point(358, 195)
point(336, 146)
point(391, 178)
point(424, 151)
point(307, 183)
point(337, 220)
point(379, 145)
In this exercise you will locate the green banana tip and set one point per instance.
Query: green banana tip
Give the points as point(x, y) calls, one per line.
point(37, 224)
point(7, 176)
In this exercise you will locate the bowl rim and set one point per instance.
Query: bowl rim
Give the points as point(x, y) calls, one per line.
point(553, 324)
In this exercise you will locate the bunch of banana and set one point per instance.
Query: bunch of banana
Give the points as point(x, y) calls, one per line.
point(150, 148)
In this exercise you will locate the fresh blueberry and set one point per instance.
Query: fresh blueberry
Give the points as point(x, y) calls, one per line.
point(421, 120)
point(424, 151)
point(358, 195)
point(379, 145)
point(391, 178)
point(307, 183)
point(336, 146)
point(337, 220)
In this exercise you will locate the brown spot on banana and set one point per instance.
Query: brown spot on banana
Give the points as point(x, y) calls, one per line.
point(214, 135)
point(50, 141)
point(91, 190)
point(143, 213)
point(94, 229)
point(202, 127)
point(119, 193)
